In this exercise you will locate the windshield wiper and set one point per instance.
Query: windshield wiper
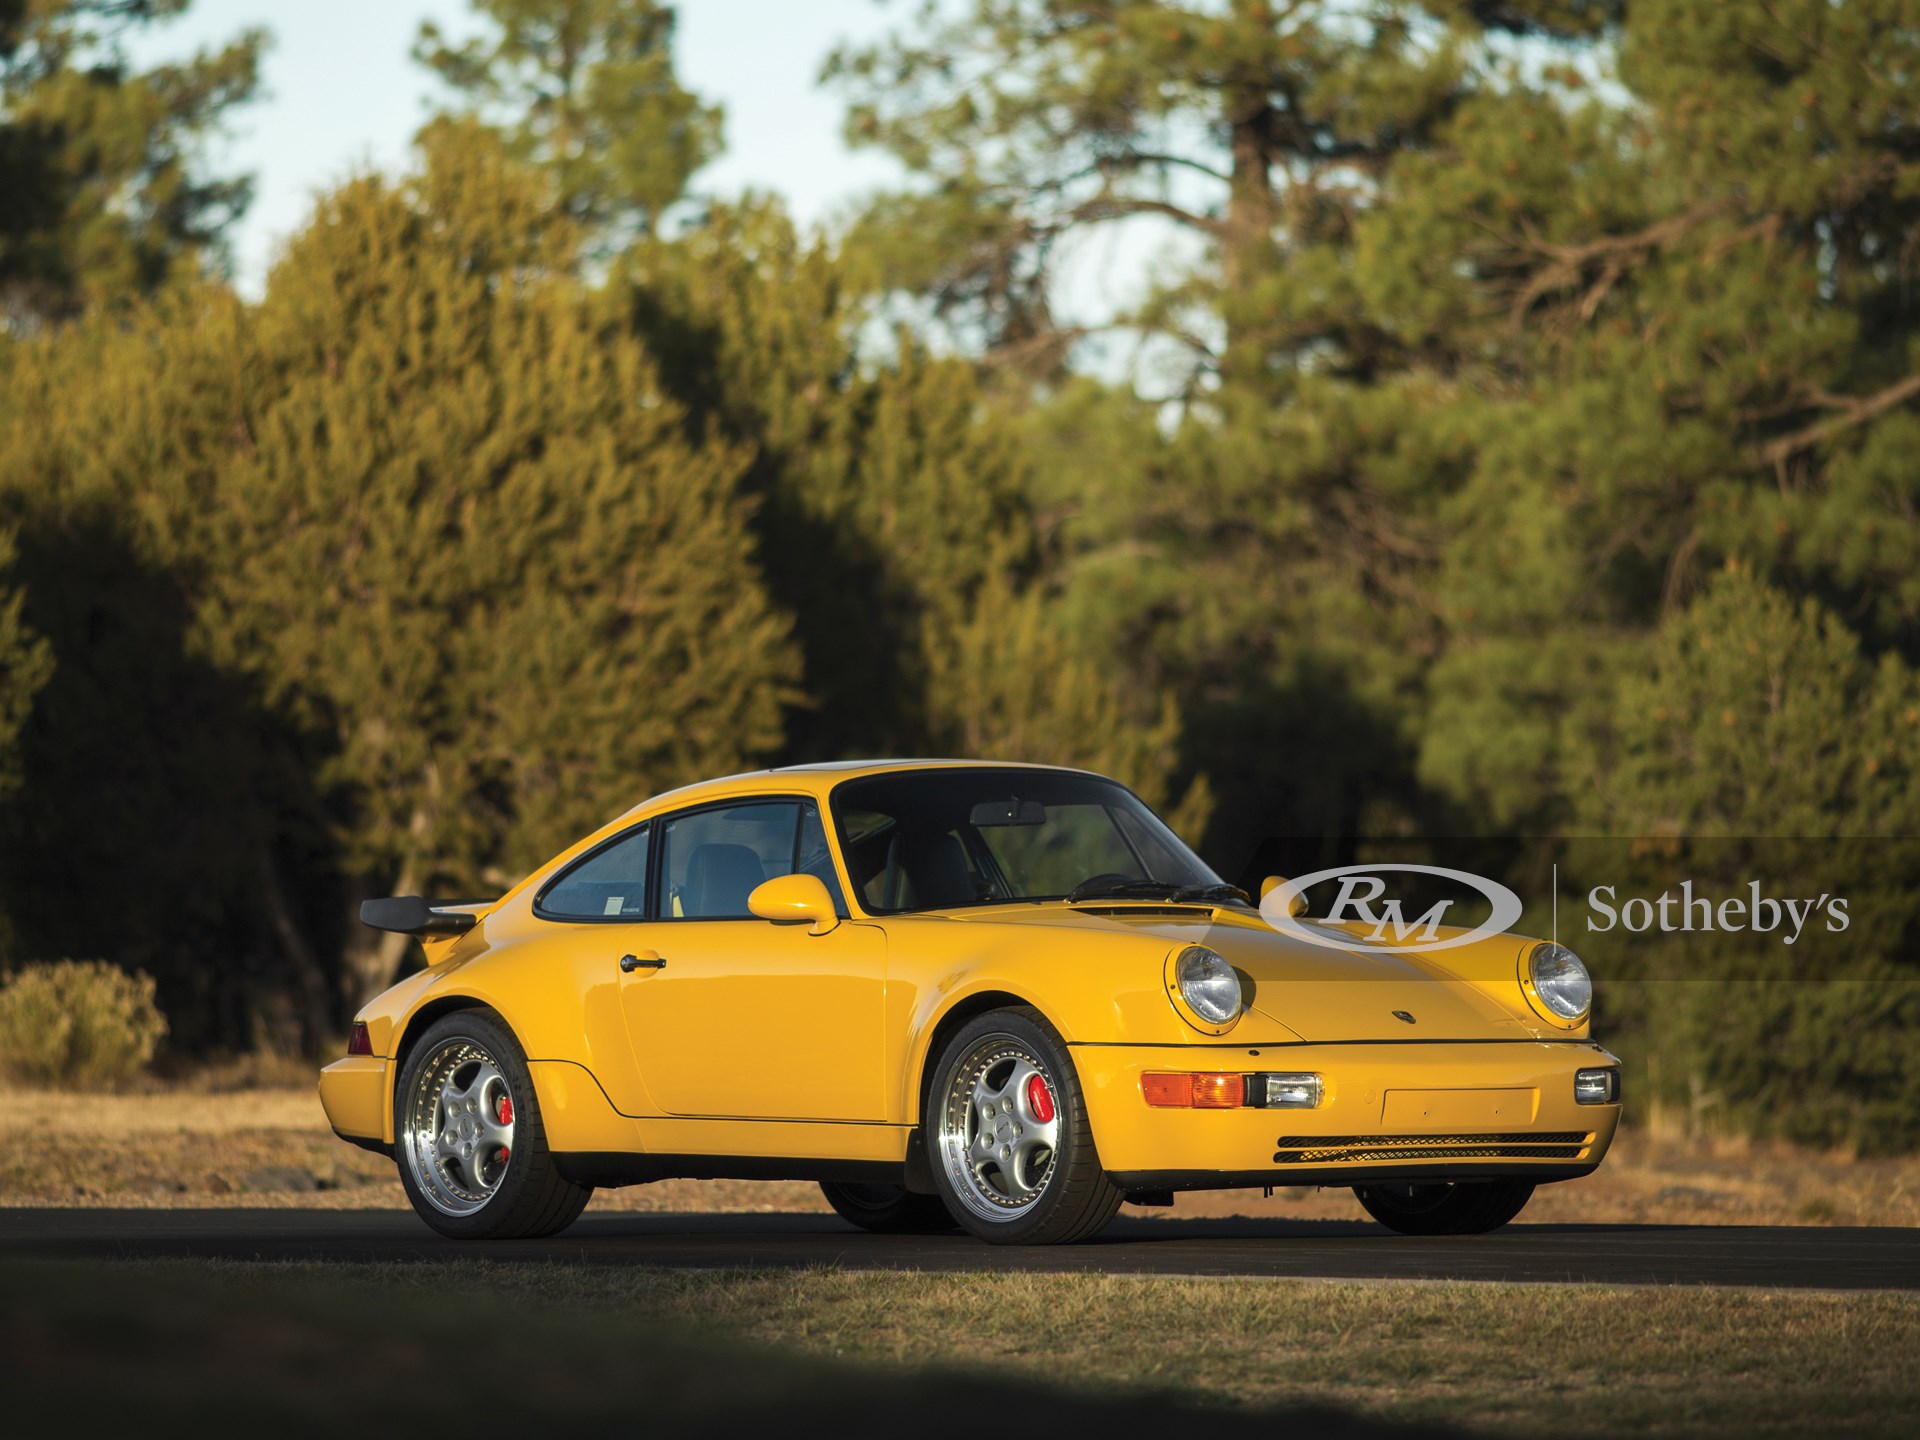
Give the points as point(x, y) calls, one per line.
point(1146, 889)
point(1155, 890)
point(1213, 892)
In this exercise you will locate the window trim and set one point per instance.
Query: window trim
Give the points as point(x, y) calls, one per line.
point(541, 912)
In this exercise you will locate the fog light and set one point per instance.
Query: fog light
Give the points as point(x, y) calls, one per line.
point(1596, 1087)
point(1286, 1092)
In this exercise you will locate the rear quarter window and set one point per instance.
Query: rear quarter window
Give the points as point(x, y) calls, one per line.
point(610, 884)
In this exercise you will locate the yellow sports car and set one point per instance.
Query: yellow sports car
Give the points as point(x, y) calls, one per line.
point(1000, 997)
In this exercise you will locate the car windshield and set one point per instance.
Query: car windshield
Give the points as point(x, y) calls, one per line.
point(943, 839)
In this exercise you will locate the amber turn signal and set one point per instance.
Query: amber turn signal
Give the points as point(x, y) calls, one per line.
point(1190, 1091)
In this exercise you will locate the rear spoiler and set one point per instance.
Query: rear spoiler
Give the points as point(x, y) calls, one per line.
point(411, 915)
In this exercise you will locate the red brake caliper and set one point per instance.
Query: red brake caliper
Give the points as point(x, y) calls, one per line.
point(505, 1115)
point(1039, 1099)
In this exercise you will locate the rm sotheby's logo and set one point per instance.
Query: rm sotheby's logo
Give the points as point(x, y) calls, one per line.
point(1361, 887)
point(1756, 912)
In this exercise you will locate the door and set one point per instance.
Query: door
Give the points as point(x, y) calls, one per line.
point(748, 1019)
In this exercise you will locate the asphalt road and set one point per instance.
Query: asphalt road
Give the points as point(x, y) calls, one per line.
point(1800, 1258)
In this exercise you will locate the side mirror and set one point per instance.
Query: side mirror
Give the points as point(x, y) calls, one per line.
point(794, 900)
point(1298, 905)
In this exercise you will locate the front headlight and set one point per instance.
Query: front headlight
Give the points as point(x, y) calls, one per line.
point(1208, 984)
point(1560, 981)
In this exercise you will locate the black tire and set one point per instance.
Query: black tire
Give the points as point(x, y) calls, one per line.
point(888, 1209)
point(1071, 1197)
point(1465, 1209)
point(528, 1197)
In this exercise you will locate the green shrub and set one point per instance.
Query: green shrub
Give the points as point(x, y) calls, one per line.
point(78, 1024)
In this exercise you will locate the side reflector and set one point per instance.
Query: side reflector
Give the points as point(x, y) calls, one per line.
point(1187, 1091)
point(1168, 1091)
point(358, 1041)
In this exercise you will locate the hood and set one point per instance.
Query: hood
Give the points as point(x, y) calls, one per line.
point(1346, 991)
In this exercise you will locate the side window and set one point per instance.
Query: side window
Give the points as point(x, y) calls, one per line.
point(811, 856)
point(609, 884)
point(712, 860)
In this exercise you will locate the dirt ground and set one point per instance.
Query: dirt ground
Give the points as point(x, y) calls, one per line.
point(272, 1147)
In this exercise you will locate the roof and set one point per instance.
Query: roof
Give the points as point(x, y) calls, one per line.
point(851, 767)
point(815, 778)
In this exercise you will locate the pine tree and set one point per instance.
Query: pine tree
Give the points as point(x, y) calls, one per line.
point(1269, 557)
point(412, 572)
point(1250, 127)
point(471, 543)
point(104, 193)
point(585, 89)
point(1693, 327)
point(1008, 680)
point(151, 770)
point(1757, 744)
point(894, 522)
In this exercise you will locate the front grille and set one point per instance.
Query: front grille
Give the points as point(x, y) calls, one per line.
point(1335, 1149)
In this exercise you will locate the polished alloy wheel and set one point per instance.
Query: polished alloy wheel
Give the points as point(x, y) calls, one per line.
point(458, 1135)
point(999, 1129)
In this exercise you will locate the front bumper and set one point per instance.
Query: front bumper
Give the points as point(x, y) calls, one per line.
point(1457, 1110)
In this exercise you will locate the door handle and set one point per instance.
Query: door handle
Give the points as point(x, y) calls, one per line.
point(646, 960)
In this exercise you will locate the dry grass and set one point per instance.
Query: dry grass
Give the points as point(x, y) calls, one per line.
point(208, 1146)
point(1508, 1358)
point(117, 1117)
point(306, 1349)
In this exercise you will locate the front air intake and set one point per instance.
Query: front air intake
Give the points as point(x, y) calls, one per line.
point(1337, 1149)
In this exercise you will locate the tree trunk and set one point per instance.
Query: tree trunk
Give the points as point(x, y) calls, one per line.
point(373, 957)
point(310, 982)
point(372, 961)
point(1251, 206)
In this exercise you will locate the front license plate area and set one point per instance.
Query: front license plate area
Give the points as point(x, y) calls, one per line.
point(1458, 1109)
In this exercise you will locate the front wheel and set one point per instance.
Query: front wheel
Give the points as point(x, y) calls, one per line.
point(1466, 1209)
point(888, 1209)
point(469, 1138)
point(1007, 1132)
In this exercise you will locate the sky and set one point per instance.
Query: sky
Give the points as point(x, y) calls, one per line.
point(342, 93)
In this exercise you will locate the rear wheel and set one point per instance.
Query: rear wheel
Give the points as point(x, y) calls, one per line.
point(1466, 1209)
point(888, 1209)
point(1007, 1132)
point(469, 1137)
